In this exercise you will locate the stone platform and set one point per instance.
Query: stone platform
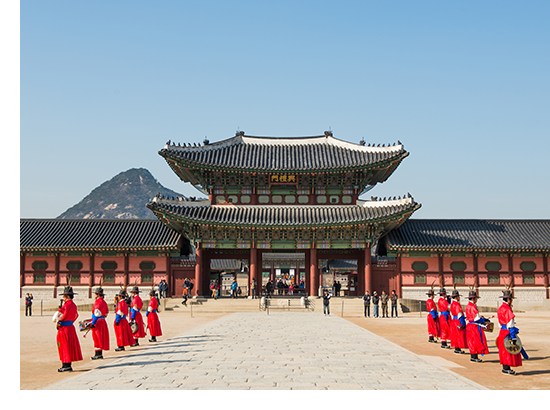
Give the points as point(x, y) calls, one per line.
point(253, 350)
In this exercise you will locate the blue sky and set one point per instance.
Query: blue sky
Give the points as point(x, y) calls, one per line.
point(464, 85)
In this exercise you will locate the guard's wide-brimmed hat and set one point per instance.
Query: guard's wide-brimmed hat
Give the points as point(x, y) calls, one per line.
point(99, 291)
point(135, 289)
point(442, 291)
point(507, 294)
point(455, 293)
point(473, 294)
point(68, 290)
point(122, 292)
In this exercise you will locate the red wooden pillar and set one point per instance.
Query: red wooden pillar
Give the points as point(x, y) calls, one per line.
point(399, 277)
point(92, 274)
point(56, 276)
point(313, 272)
point(259, 273)
point(169, 274)
point(440, 270)
point(511, 270)
point(545, 269)
point(253, 268)
point(206, 261)
point(126, 269)
point(476, 271)
point(21, 274)
point(368, 270)
point(198, 269)
point(306, 270)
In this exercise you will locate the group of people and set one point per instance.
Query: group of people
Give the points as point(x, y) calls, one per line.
point(460, 329)
point(128, 330)
point(378, 301)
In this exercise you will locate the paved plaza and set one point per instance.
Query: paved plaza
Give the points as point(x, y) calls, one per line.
point(282, 350)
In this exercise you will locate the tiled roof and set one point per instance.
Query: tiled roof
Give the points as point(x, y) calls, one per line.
point(471, 234)
point(95, 234)
point(272, 215)
point(275, 154)
point(226, 264)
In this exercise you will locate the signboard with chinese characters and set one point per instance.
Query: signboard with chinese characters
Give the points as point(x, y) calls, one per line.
point(283, 179)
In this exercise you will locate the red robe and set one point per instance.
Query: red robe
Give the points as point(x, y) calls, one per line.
point(433, 324)
point(505, 317)
point(444, 319)
point(68, 345)
point(100, 333)
point(458, 334)
point(136, 306)
point(123, 332)
point(153, 322)
point(475, 336)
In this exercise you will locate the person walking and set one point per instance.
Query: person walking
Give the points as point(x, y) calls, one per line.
point(135, 316)
point(477, 342)
point(444, 306)
point(433, 317)
point(68, 345)
point(375, 301)
point(366, 303)
point(28, 304)
point(384, 300)
point(100, 331)
point(393, 298)
point(326, 303)
point(507, 328)
point(123, 332)
point(458, 324)
point(153, 322)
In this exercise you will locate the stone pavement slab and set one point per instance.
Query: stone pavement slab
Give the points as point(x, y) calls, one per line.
point(282, 350)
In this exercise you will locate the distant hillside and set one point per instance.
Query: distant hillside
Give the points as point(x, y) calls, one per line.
point(123, 197)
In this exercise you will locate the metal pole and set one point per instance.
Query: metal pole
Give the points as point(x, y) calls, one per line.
point(342, 308)
point(420, 307)
point(41, 308)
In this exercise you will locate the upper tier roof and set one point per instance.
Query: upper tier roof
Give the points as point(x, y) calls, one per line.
point(95, 234)
point(471, 234)
point(267, 154)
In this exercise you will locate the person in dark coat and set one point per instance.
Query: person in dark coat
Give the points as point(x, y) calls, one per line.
point(366, 302)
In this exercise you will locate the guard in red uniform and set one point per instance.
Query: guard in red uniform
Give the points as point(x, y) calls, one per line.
point(100, 331)
point(433, 319)
point(444, 306)
point(153, 323)
point(475, 336)
point(135, 315)
point(507, 327)
point(458, 324)
point(124, 336)
point(68, 345)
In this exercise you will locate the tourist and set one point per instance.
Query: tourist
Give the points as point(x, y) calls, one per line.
point(28, 304)
point(234, 288)
point(507, 328)
point(253, 288)
point(444, 305)
point(366, 303)
point(326, 301)
point(163, 289)
point(384, 300)
point(433, 317)
point(475, 336)
point(153, 323)
point(135, 316)
point(375, 300)
point(393, 299)
point(123, 332)
point(100, 331)
point(213, 289)
point(217, 289)
point(268, 288)
point(68, 345)
point(458, 324)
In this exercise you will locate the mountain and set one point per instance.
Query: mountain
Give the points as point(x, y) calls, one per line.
point(122, 197)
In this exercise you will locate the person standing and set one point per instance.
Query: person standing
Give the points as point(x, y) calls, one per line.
point(268, 288)
point(253, 288)
point(326, 303)
point(135, 316)
point(375, 301)
point(475, 336)
point(458, 324)
point(68, 345)
point(217, 295)
point(384, 300)
point(28, 304)
point(123, 332)
point(393, 298)
point(163, 289)
point(153, 322)
point(444, 305)
point(100, 331)
point(234, 288)
point(433, 317)
point(507, 328)
point(366, 303)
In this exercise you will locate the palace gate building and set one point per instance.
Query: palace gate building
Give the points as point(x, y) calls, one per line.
point(288, 208)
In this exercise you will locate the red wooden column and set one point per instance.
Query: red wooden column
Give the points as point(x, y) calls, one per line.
point(92, 274)
point(399, 277)
point(21, 274)
point(169, 275)
point(440, 270)
point(56, 276)
point(476, 271)
point(545, 269)
point(126, 269)
point(306, 270)
point(368, 270)
point(313, 272)
point(198, 269)
point(511, 269)
point(253, 268)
